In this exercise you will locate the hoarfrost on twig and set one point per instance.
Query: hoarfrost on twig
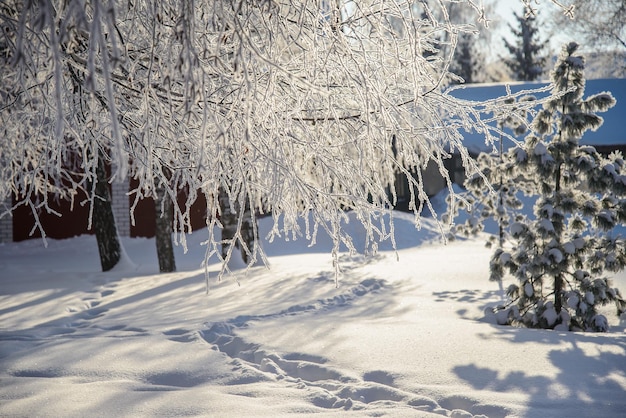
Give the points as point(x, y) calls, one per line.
point(300, 109)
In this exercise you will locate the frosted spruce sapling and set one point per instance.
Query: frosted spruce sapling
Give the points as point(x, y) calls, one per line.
point(560, 255)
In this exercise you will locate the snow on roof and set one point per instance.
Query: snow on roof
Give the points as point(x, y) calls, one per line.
point(612, 132)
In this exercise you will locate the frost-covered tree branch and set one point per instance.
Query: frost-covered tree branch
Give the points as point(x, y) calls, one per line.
point(568, 10)
point(299, 109)
point(599, 22)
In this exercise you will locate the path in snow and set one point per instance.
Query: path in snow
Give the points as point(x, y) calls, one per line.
point(80, 322)
point(323, 385)
point(327, 386)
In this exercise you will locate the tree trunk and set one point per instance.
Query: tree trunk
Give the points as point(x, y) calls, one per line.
point(229, 220)
point(248, 231)
point(558, 279)
point(500, 202)
point(109, 245)
point(164, 207)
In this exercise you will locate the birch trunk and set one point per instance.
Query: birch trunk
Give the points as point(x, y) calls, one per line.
point(109, 246)
point(164, 207)
point(230, 233)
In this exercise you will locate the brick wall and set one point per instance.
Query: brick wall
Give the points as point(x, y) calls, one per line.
point(121, 210)
point(6, 223)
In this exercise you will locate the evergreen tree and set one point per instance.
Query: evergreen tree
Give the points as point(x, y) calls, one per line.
point(465, 63)
point(559, 257)
point(526, 63)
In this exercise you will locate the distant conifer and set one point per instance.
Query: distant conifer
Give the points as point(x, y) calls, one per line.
point(526, 62)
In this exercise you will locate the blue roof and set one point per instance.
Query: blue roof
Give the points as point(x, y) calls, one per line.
point(612, 132)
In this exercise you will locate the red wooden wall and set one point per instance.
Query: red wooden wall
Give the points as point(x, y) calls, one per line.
point(74, 221)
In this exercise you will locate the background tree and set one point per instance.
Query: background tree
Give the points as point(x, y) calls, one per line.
point(599, 27)
point(560, 255)
point(467, 60)
point(468, 49)
point(599, 22)
point(526, 62)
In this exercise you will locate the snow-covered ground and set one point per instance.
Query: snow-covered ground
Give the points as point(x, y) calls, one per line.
point(399, 338)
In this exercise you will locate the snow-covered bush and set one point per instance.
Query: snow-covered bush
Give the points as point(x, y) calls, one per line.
point(560, 256)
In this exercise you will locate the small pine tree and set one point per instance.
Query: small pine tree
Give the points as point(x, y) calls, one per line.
point(526, 63)
point(559, 257)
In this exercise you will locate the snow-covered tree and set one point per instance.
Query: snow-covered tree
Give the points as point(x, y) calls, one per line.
point(41, 160)
point(560, 255)
point(290, 107)
point(599, 22)
point(493, 193)
point(107, 238)
point(526, 62)
point(599, 26)
point(468, 49)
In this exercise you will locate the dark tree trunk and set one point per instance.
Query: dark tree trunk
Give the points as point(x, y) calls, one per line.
point(164, 207)
point(558, 279)
point(248, 231)
point(558, 289)
point(109, 245)
point(229, 219)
